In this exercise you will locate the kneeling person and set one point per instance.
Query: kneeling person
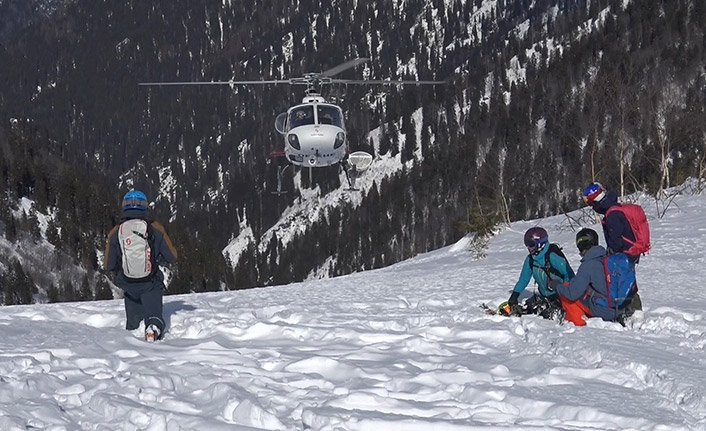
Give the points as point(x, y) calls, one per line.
point(585, 294)
point(543, 263)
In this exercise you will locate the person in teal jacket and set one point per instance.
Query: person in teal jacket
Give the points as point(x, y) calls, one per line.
point(543, 263)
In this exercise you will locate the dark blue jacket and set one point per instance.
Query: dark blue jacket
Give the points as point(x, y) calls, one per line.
point(589, 284)
point(112, 261)
point(540, 275)
point(615, 224)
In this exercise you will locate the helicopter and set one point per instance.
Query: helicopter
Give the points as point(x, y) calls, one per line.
point(314, 131)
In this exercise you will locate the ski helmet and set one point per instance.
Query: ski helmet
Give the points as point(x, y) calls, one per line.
point(585, 239)
point(135, 200)
point(535, 239)
point(593, 193)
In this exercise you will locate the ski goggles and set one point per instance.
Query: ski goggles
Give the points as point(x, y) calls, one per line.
point(584, 243)
point(536, 245)
point(593, 194)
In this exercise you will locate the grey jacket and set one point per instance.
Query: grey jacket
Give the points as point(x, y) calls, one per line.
point(589, 284)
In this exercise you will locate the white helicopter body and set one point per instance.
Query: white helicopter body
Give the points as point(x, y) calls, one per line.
point(314, 133)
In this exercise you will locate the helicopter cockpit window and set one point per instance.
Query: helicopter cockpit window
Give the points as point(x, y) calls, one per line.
point(301, 116)
point(329, 115)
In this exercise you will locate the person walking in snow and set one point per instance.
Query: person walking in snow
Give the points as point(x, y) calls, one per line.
point(585, 295)
point(134, 248)
point(543, 263)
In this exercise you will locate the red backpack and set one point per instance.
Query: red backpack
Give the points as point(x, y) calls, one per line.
point(637, 220)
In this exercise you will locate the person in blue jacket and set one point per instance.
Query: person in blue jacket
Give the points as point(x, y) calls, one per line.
point(578, 296)
point(543, 263)
point(143, 296)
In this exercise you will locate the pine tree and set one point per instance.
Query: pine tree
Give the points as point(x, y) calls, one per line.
point(11, 229)
point(84, 293)
point(103, 290)
point(18, 286)
point(67, 292)
point(33, 223)
point(53, 294)
point(52, 232)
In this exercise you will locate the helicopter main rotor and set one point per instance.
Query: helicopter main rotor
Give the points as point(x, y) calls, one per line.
point(311, 79)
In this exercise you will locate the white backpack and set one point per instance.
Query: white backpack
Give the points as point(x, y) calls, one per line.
point(138, 257)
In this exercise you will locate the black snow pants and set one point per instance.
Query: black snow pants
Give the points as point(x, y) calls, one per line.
point(143, 301)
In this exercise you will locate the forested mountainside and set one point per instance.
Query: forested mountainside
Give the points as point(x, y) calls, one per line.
point(541, 97)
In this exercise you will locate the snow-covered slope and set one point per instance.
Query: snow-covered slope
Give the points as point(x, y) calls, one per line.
point(405, 347)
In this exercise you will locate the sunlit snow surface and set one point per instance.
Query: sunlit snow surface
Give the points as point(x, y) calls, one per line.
point(402, 348)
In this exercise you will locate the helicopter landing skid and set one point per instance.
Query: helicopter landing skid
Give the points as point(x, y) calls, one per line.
point(350, 177)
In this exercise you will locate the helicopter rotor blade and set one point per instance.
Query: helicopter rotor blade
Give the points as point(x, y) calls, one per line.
point(385, 82)
point(347, 65)
point(262, 82)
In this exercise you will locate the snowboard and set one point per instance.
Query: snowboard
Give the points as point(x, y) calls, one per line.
point(502, 310)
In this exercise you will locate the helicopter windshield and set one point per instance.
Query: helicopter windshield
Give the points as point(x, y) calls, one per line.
point(329, 115)
point(301, 116)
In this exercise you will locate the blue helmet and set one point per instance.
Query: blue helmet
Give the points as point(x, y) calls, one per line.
point(593, 193)
point(135, 200)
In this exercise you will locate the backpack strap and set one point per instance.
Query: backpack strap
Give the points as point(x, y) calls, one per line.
point(607, 281)
point(548, 268)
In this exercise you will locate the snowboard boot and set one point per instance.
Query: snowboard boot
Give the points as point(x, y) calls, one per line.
point(551, 309)
point(632, 305)
point(152, 333)
point(635, 304)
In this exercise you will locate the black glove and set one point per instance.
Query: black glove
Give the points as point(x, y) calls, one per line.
point(513, 299)
point(516, 310)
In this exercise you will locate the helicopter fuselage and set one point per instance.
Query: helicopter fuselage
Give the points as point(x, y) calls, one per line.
point(317, 145)
point(314, 133)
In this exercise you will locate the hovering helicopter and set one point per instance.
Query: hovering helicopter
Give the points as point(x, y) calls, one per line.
point(314, 130)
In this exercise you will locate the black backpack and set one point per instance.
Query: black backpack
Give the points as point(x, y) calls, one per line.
point(548, 269)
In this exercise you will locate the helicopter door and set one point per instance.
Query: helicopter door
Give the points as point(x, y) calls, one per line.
point(280, 123)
